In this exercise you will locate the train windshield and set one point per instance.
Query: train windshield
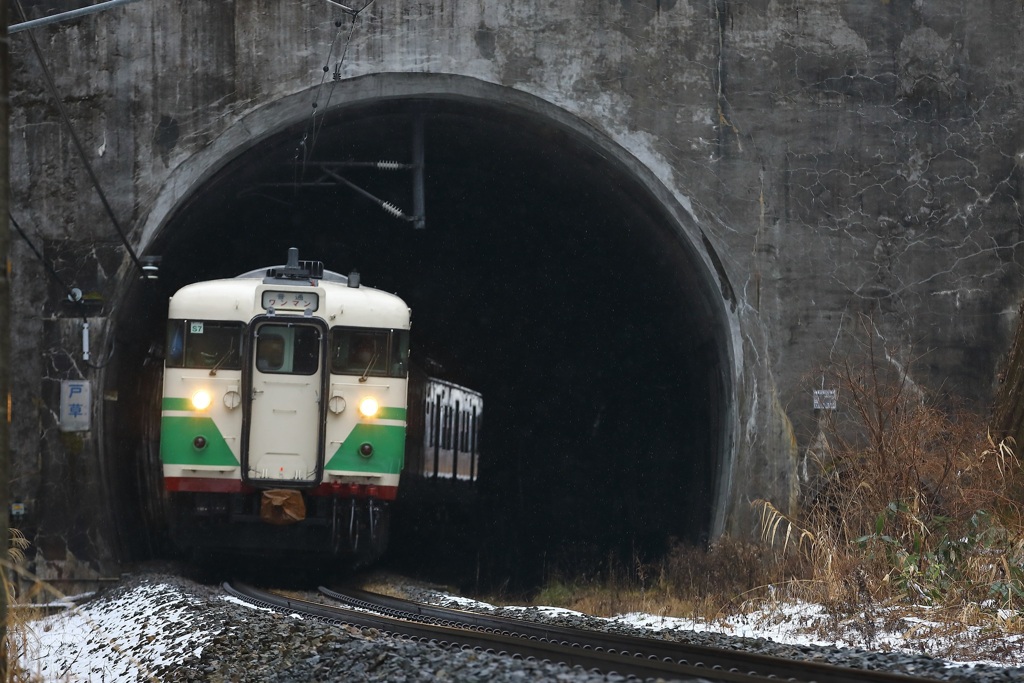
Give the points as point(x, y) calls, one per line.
point(212, 344)
point(287, 349)
point(369, 352)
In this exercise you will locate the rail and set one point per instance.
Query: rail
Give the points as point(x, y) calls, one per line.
point(494, 643)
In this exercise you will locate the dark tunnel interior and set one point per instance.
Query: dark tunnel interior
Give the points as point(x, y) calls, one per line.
point(546, 277)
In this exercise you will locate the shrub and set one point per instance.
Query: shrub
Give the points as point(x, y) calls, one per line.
point(913, 495)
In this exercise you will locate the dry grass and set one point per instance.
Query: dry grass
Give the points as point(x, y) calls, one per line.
point(20, 614)
point(912, 524)
point(26, 609)
point(915, 501)
point(692, 582)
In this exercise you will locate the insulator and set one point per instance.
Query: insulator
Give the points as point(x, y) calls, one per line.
point(392, 209)
point(389, 165)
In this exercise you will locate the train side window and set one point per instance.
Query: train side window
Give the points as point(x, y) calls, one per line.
point(175, 357)
point(399, 366)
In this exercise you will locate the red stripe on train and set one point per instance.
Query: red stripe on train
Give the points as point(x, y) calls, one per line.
point(215, 485)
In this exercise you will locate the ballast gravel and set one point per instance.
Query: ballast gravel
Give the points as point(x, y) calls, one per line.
point(159, 627)
point(209, 637)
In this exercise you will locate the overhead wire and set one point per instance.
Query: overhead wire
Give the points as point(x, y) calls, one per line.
point(78, 143)
point(310, 134)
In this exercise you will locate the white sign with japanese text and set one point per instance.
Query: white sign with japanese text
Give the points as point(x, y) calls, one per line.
point(75, 405)
point(825, 399)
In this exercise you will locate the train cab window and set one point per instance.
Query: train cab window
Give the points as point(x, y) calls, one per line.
point(306, 356)
point(288, 349)
point(204, 344)
point(373, 352)
point(270, 353)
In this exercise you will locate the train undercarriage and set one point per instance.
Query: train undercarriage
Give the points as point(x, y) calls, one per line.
point(290, 523)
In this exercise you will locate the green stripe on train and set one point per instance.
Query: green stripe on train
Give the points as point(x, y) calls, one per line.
point(391, 414)
point(171, 403)
point(177, 434)
point(388, 443)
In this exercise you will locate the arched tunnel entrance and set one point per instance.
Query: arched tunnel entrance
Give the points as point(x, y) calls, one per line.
point(547, 277)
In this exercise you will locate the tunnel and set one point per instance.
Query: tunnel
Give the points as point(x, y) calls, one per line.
point(546, 275)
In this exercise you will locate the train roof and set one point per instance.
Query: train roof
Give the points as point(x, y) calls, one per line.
point(340, 304)
point(261, 273)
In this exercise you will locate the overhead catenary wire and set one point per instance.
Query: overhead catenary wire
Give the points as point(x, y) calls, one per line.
point(78, 143)
point(309, 136)
point(306, 146)
point(66, 16)
point(341, 60)
point(387, 206)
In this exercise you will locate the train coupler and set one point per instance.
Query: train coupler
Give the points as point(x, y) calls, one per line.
point(282, 506)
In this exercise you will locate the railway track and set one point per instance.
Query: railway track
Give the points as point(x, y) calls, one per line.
point(589, 650)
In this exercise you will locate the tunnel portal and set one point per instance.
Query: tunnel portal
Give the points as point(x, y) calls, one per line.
point(547, 277)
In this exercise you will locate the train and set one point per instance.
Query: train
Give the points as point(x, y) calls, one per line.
point(287, 398)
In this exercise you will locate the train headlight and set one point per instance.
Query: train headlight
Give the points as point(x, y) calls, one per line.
point(201, 400)
point(368, 407)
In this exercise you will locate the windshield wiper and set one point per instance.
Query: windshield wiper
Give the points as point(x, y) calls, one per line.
point(376, 355)
point(229, 352)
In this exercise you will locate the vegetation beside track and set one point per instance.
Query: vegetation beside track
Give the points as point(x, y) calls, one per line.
point(910, 519)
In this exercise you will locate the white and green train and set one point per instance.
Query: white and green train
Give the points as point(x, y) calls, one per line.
point(284, 412)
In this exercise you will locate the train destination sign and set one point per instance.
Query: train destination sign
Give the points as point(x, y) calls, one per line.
point(290, 301)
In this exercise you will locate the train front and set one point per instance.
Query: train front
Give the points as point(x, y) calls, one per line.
point(284, 413)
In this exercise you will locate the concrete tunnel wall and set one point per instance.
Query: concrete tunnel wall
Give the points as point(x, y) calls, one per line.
point(822, 159)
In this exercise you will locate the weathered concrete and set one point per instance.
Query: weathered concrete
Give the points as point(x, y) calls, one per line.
point(819, 158)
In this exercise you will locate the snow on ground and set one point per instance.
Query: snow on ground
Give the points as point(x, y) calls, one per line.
point(125, 637)
point(808, 624)
point(120, 639)
point(812, 624)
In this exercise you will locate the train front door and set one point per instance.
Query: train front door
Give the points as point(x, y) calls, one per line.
point(285, 431)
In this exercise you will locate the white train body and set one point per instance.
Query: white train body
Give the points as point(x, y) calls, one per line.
point(284, 395)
